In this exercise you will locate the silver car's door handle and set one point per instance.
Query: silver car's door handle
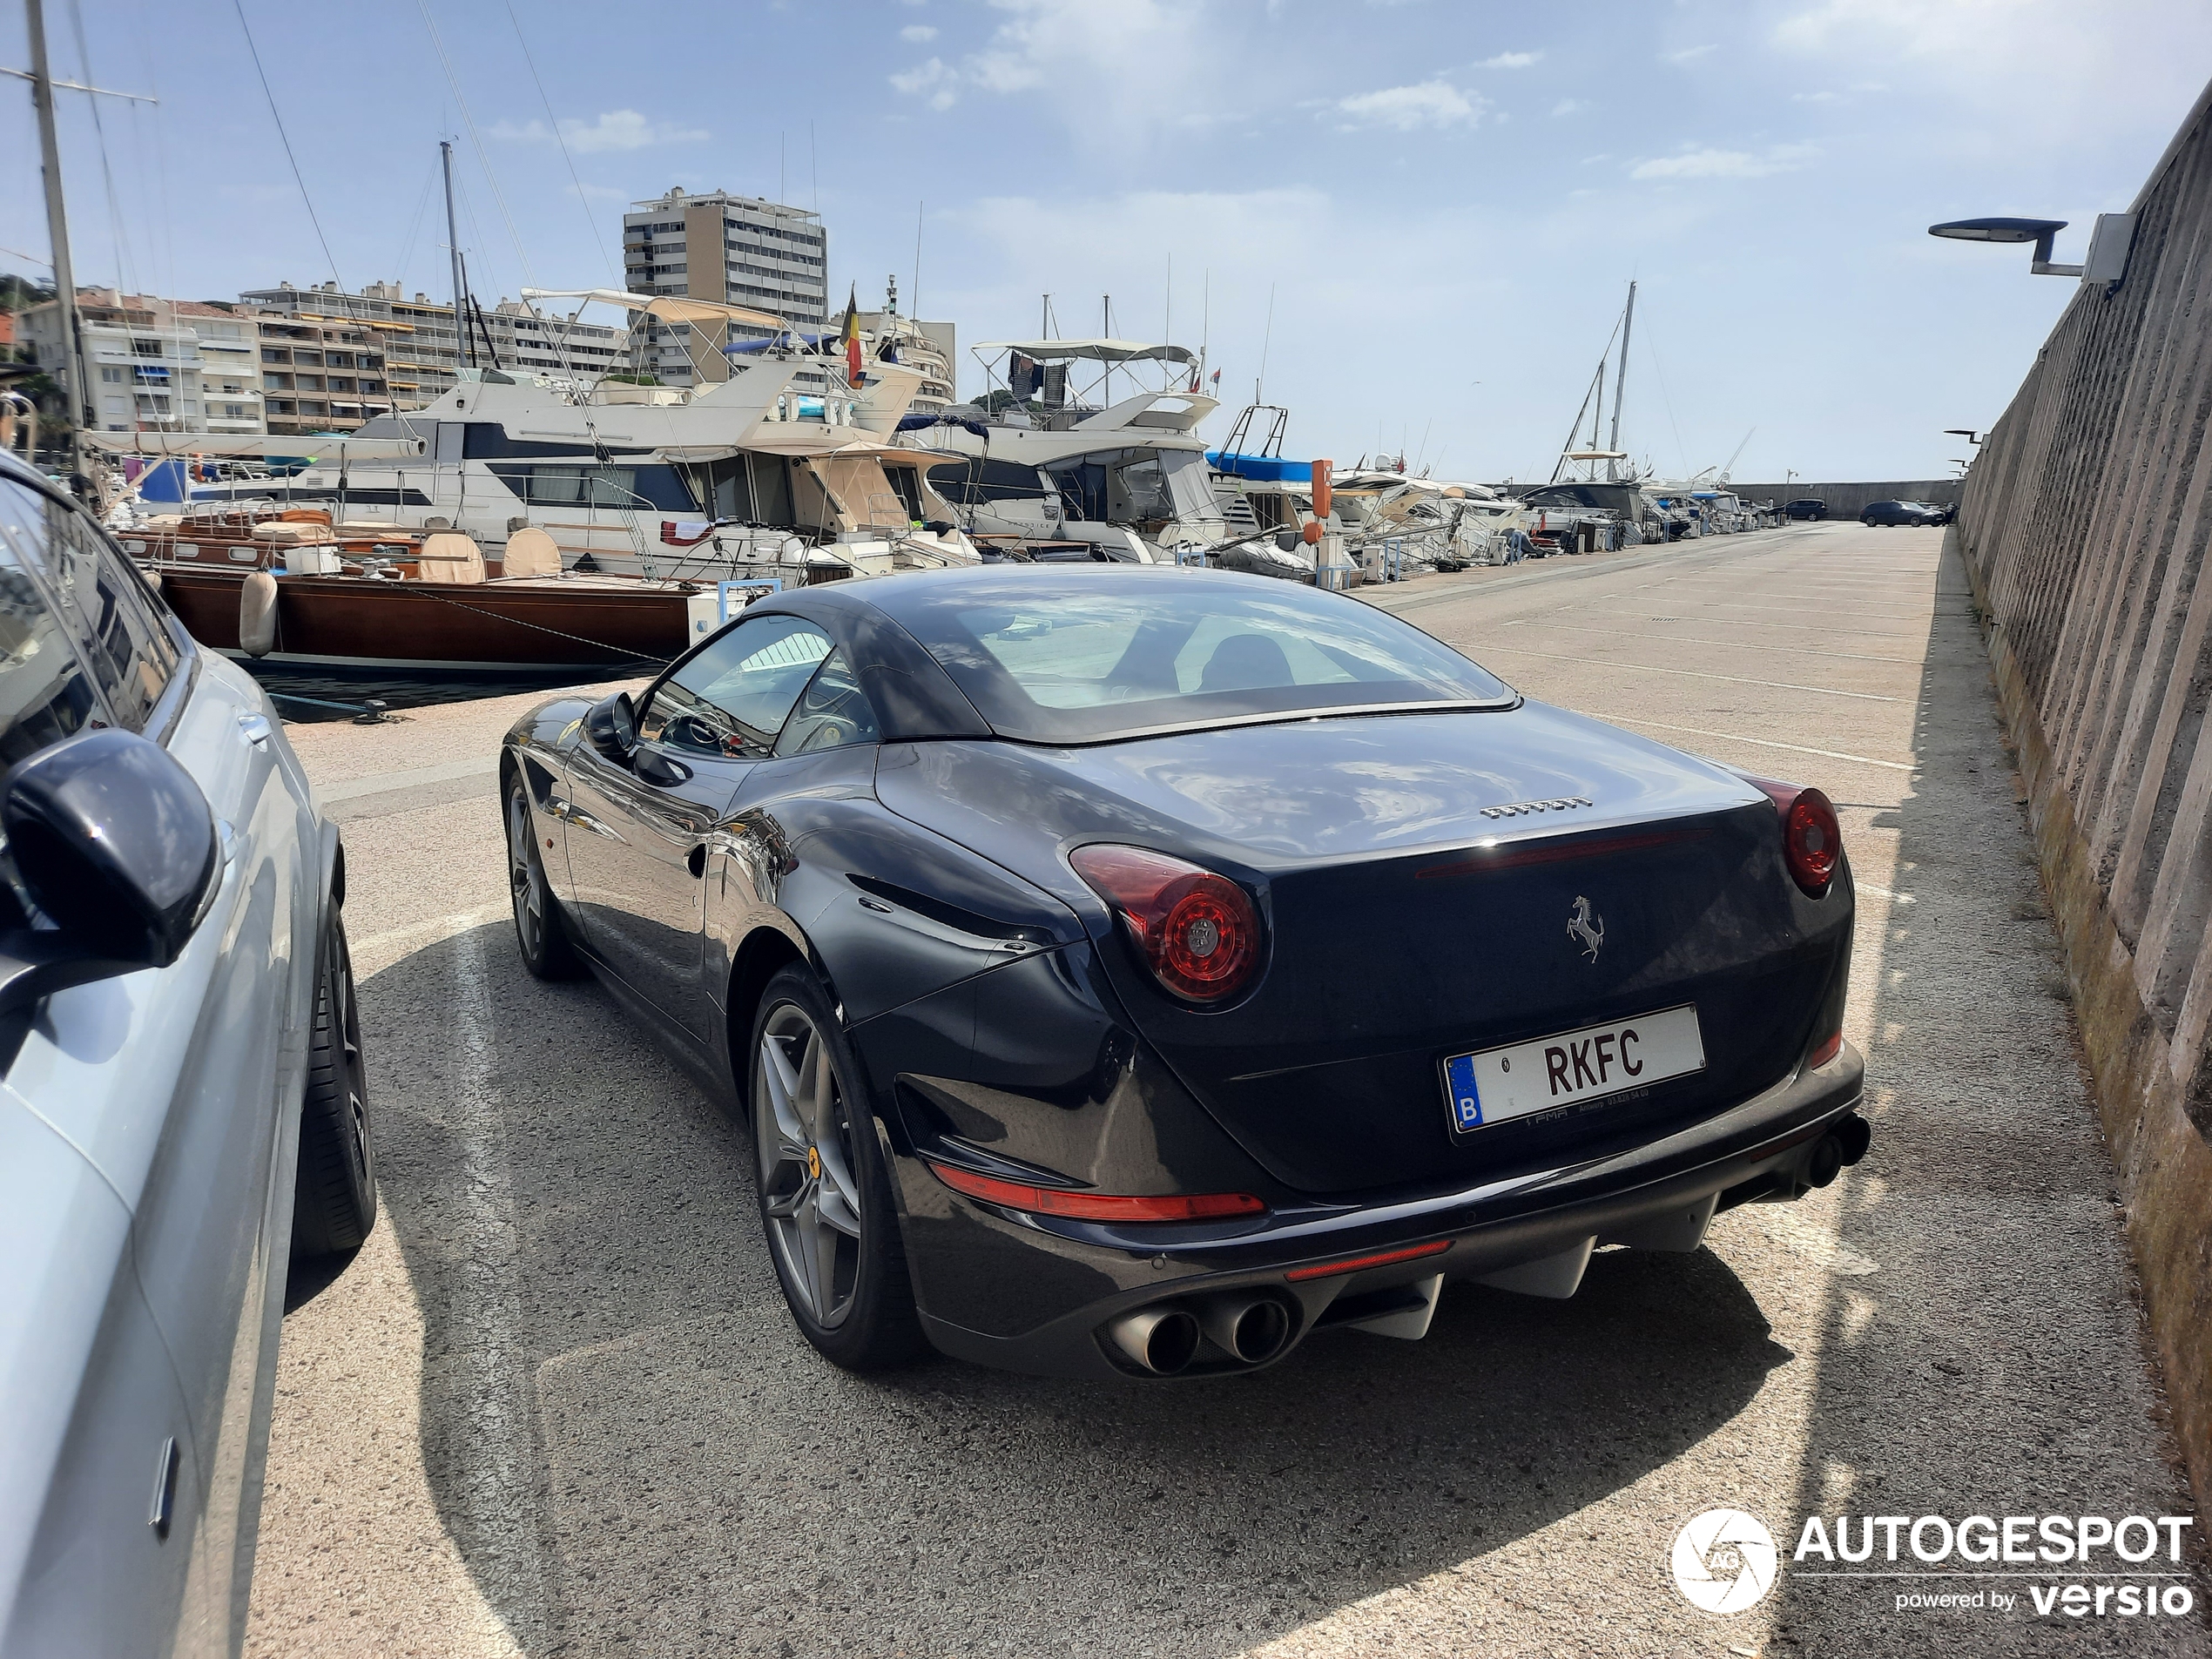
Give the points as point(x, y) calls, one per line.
point(255, 729)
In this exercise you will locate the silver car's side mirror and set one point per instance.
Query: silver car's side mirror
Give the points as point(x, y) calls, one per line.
point(611, 726)
point(117, 847)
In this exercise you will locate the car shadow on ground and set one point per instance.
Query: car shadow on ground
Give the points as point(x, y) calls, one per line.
point(630, 1444)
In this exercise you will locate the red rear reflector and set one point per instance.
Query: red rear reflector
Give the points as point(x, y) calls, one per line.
point(1825, 1052)
point(1362, 1263)
point(1197, 931)
point(1098, 1206)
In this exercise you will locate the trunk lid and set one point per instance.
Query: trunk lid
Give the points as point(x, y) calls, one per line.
point(1418, 875)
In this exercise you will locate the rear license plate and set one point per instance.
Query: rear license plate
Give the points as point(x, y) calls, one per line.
point(1494, 1085)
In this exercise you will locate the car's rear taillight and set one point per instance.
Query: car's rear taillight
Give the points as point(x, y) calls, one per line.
point(1197, 931)
point(1812, 841)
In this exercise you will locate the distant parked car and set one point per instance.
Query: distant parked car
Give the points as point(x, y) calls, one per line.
point(1808, 508)
point(1893, 513)
point(183, 1105)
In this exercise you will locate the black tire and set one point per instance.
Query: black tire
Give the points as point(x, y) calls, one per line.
point(541, 930)
point(333, 1202)
point(871, 1325)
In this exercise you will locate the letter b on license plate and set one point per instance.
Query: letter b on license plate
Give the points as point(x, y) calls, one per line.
point(1492, 1085)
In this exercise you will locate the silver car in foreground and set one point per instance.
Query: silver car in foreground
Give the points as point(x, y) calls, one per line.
point(177, 1042)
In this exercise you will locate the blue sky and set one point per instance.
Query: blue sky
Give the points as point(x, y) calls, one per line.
point(1446, 199)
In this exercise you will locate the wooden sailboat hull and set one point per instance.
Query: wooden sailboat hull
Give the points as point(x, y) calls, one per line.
point(348, 621)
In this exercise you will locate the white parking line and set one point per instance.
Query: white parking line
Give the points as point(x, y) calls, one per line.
point(1813, 626)
point(379, 951)
point(1694, 674)
point(377, 783)
point(493, 1453)
point(1733, 645)
point(1763, 743)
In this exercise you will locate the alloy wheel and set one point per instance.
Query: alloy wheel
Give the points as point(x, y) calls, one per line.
point(809, 1194)
point(347, 1025)
point(527, 885)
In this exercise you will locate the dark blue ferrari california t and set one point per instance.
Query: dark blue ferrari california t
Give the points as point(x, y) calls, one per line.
point(1134, 971)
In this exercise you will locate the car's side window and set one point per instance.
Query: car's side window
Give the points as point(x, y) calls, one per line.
point(732, 698)
point(832, 712)
point(45, 692)
point(120, 634)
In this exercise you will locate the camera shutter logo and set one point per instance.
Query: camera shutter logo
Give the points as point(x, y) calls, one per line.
point(1724, 1561)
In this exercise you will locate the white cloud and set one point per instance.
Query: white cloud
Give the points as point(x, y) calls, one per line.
point(1150, 57)
point(1688, 54)
point(1509, 60)
point(1430, 104)
point(1815, 97)
point(918, 32)
point(1708, 163)
point(1569, 105)
point(614, 130)
point(935, 79)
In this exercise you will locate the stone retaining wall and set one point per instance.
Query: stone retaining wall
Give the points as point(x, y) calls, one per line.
point(2084, 525)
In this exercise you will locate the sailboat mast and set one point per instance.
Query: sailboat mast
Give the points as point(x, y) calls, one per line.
point(79, 388)
point(462, 342)
point(1620, 383)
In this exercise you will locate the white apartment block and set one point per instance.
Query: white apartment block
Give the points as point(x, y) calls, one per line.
point(419, 349)
point(157, 365)
point(734, 249)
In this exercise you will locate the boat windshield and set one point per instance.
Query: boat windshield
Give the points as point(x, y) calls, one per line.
point(1619, 498)
point(1103, 654)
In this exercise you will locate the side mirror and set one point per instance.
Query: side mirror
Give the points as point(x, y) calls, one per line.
point(611, 726)
point(117, 847)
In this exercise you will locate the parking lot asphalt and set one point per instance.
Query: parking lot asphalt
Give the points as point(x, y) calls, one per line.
point(556, 1406)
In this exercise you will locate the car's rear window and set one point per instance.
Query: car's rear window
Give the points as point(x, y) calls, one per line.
point(1101, 655)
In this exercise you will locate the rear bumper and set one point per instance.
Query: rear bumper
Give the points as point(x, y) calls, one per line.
point(1035, 1294)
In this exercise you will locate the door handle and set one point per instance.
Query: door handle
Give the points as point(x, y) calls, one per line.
point(254, 728)
point(697, 860)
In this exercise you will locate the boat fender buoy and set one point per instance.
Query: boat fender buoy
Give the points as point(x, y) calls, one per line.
point(257, 614)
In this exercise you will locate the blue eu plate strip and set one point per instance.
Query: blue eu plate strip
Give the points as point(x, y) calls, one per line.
point(1466, 1100)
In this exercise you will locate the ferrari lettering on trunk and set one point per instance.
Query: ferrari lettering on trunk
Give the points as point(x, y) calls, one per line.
point(1492, 1085)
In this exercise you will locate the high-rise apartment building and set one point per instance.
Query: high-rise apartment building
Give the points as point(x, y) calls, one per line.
point(734, 249)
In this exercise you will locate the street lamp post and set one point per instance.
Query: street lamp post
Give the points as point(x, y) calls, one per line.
point(2110, 243)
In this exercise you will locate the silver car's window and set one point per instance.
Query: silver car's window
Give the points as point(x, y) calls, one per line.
point(45, 693)
point(96, 596)
point(832, 711)
point(123, 640)
point(732, 698)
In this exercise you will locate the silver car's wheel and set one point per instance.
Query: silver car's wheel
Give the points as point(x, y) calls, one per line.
point(810, 1197)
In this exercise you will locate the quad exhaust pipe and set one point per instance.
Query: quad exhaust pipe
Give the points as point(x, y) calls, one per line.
point(1842, 1146)
point(1252, 1328)
point(1161, 1339)
point(1164, 1338)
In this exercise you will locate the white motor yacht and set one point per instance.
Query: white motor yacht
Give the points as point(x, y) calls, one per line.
point(744, 476)
point(1126, 460)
